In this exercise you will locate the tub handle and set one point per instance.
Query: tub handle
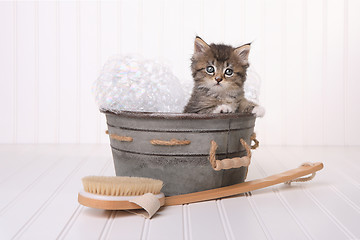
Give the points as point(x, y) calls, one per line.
point(256, 142)
point(229, 163)
point(172, 142)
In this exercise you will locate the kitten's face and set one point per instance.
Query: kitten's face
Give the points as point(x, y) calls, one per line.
point(220, 69)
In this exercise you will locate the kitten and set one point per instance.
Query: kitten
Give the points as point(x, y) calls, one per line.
point(219, 72)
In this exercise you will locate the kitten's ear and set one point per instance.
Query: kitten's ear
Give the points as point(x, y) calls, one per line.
point(243, 52)
point(200, 45)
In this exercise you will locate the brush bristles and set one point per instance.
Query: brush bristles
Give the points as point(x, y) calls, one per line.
point(121, 186)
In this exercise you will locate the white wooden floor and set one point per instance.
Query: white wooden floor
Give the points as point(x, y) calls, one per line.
point(39, 185)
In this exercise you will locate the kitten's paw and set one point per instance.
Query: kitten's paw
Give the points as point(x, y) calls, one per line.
point(224, 109)
point(259, 111)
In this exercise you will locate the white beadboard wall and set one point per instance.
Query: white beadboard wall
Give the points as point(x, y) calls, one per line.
point(306, 52)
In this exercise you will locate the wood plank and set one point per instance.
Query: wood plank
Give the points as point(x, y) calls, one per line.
point(255, 33)
point(13, 158)
point(344, 214)
point(129, 26)
point(341, 161)
point(48, 81)
point(266, 200)
point(213, 20)
point(192, 25)
point(152, 29)
point(88, 218)
point(352, 117)
point(7, 69)
point(313, 74)
point(266, 204)
point(88, 70)
point(243, 221)
point(274, 76)
point(167, 224)
point(26, 103)
point(108, 46)
point(334, 87)
point(294, 72)
point(174, 42)
point(40, 192)
point(230, 15)
point(342, 179)
point(63, 202)
point(201, 216)
point(22, 181)
point(16, 157)
point(317, 223)
point(313, 216)
point(124, 225)
point(68, 73)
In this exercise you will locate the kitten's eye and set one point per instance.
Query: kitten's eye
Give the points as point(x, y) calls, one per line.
point(210, 69)
point(229, 72)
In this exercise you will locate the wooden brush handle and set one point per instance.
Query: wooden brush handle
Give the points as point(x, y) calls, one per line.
point(243, 187)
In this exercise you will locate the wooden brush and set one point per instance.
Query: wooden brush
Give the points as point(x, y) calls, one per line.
point(114, 193)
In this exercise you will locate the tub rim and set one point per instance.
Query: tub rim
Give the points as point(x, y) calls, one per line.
point(179, 116)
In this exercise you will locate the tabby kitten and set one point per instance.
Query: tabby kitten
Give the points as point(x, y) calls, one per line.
point(219, 72)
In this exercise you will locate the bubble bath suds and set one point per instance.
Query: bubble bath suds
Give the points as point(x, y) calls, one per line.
point(134, 84)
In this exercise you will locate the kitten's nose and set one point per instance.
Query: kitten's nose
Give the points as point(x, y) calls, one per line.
point(218, 79)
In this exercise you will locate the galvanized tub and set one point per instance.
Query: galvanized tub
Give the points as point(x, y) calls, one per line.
point(182, 168)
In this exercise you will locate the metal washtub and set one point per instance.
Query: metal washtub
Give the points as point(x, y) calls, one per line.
point(141, 146)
